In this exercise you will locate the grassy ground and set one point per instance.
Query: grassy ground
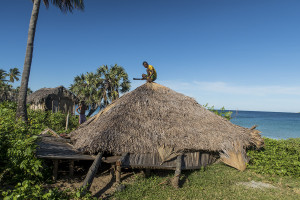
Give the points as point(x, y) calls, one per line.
point(215, 182)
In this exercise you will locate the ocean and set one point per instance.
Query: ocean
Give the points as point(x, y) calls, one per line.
point(276, 125)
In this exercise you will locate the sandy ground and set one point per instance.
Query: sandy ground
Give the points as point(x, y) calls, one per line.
point(254, 184)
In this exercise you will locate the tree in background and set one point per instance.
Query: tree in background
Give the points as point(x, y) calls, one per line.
point(3, 75)
point(7, 92)
point(101, 88)
point(13, 74)
point(64, 6)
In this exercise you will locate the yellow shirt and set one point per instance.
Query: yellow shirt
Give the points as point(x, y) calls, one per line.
point(151, 68)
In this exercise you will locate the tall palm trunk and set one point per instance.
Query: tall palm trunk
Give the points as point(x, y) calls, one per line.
point(21, 109)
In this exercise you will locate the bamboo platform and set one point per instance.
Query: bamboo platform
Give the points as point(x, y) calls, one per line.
point(59, 148)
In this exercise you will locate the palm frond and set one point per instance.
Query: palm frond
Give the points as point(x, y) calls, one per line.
point(66, 5)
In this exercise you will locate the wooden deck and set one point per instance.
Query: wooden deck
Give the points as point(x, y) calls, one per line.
point(60, 149)
point(56, 148)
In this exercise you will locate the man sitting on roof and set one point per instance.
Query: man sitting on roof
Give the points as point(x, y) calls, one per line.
point(151, 73)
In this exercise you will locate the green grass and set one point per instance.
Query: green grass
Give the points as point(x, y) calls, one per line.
point(215, 182)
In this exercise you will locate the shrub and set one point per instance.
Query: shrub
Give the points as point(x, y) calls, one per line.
point(281, 157)
point(19, 168)
point(222, 112)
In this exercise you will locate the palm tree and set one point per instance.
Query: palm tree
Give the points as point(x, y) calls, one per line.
point(13, 74)
point(7, 92)
point(65, 6)
point(86, 87)
point(101, 88)
point(3, 75)
point(114, 80)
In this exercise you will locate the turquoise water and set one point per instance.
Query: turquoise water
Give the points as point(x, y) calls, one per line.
point(276, 125)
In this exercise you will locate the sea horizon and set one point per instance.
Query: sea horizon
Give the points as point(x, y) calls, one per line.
point(275, 125)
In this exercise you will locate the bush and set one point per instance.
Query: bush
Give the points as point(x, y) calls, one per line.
point(222, 112)
point(19, 168)
point(281, 157)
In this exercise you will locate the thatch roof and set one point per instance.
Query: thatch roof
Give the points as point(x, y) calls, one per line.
point(42, 94)
point(153, 115)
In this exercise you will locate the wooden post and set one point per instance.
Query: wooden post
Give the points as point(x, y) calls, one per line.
point(55, 169)
point(118, 167)
point(67, 121)
point(118, 172)
point(71, 168)
point(74, 108)
point(147, 172)
point(52, 106)
point(92, 172)
point(175, 181)
point(58, 104)
point(112, 170)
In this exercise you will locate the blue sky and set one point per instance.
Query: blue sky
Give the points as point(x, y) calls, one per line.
point(239, 54)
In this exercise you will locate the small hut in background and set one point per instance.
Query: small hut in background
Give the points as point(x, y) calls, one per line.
point(53, 99)
point(156, 127)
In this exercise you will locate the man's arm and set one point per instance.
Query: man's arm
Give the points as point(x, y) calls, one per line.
point(149, 72)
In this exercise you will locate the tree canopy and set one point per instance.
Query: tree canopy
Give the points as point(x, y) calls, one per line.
point(102, 87)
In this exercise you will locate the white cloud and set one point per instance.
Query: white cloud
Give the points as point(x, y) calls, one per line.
point(238, 97)
point(226, 88)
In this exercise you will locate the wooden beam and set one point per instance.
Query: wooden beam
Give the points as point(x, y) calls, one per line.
point(175, 181)
point(51, 131)
point(65, 157)
point(147, 172)
point(91, 174)
point(118, 167)
point(67, 121)
point(71, 168)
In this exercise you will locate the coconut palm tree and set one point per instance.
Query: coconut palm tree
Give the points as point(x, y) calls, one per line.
point(3, 75)
point(65, 6)
point(7, 92)
point(13, 74)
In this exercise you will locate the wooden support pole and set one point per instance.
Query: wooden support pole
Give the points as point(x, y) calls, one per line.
point(55, 169)
point(92, 172)
point(112, 170)
point(175, 181)
point(147, 172)
point(118, 167)
point(118, 173)
point(71, 168)
point(67, 121)
point(74, 109)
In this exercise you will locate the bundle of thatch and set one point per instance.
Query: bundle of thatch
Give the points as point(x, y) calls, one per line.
point(42, 94)
point(153, 116)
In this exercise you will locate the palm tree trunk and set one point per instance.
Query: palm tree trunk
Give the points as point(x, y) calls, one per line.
point(21, 109)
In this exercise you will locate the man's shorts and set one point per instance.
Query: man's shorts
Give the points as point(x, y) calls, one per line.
point(153, 78)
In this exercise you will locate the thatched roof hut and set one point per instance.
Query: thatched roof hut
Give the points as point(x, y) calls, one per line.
point(54, 99)
point(154, 117)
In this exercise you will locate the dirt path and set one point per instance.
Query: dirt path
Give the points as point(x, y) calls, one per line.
point(103, 185)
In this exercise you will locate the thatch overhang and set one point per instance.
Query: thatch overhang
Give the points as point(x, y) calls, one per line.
point(42, 94)
point(152, 115)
